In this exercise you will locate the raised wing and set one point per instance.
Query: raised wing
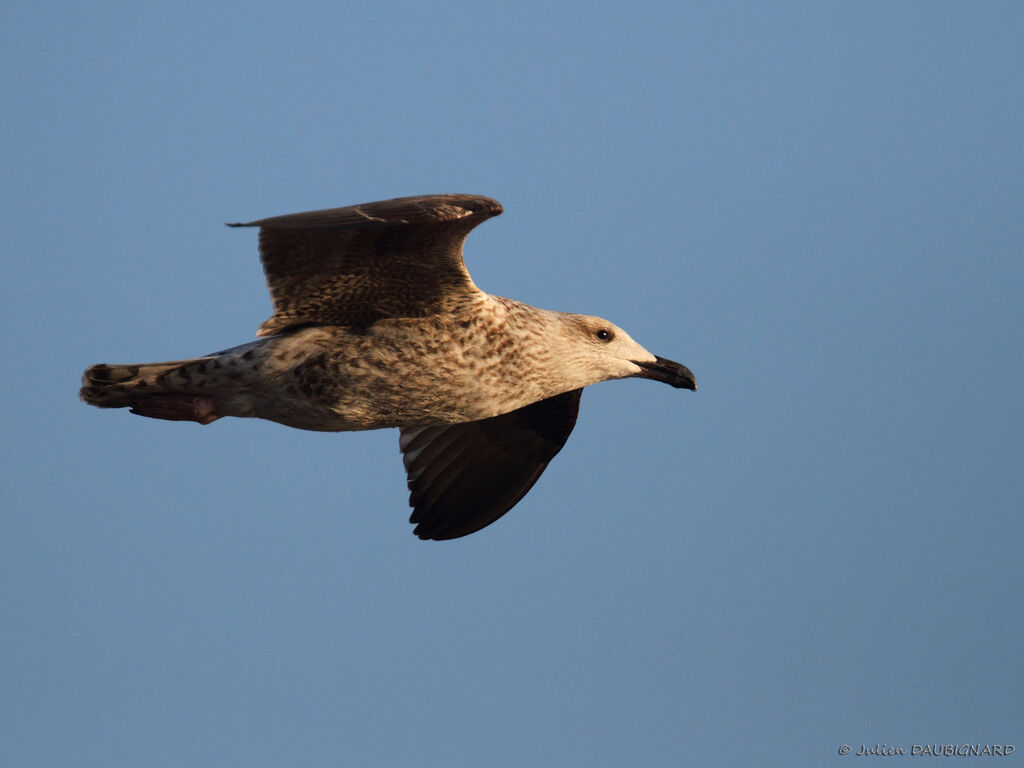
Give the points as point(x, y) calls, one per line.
point(356, 265)
point(463, 477)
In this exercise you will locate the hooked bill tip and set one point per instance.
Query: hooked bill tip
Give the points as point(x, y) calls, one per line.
point(670, 372)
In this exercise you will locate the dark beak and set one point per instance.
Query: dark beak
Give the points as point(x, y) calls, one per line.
point(674, 374)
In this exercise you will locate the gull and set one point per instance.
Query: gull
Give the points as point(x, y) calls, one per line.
point(378, 324)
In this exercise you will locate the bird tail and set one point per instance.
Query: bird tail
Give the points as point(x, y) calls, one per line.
point(158, 390)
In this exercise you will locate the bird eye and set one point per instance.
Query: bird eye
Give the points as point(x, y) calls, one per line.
point(603, 334)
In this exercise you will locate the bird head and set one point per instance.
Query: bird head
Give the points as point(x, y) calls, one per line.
point(600, 350)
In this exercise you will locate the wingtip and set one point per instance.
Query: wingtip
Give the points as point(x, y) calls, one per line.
point(491, 206)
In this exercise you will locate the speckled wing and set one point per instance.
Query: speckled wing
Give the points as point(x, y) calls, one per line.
point(356, 265)
point(463, 477)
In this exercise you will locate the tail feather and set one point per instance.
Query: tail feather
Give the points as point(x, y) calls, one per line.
point(121, 386)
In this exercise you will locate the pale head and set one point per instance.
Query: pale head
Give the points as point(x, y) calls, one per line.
point(595, 349)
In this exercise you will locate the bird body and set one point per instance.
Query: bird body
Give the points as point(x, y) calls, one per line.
point(377, 324)
point(341, 378)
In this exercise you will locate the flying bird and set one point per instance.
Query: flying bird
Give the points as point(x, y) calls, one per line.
point(378, 324)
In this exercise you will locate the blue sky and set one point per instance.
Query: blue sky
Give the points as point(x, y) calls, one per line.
point(815, 206)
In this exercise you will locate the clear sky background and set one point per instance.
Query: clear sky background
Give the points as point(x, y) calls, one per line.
point(818, 207)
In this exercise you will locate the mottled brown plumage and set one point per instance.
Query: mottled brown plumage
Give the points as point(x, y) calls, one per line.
point(377, 324)
point(357, 265)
